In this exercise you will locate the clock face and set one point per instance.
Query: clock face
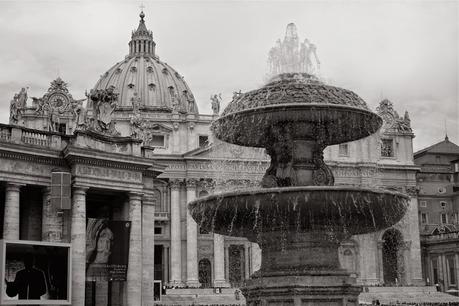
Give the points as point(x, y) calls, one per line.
point(58, 100)
point(388, 119)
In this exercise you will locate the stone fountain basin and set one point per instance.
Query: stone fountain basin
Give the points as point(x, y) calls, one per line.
point(341, 123)
point(249, 213)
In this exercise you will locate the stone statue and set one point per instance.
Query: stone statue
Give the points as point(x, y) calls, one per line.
point(186, 96)
point(79, 114)
point(216, 99)
point(136, 103)
point(15, 110)
point(22, 97)
point(290, 56)
point(174, 100)
point(104, 103)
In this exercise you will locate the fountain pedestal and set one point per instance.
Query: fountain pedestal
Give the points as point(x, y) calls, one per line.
point(301, 269)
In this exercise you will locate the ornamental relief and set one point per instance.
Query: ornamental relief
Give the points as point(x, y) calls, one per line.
point(108, 173)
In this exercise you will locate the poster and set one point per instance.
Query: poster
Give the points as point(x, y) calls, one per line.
point(35, 272)
point(107, 249)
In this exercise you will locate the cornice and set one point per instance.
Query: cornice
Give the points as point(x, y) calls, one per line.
point(55, 159)
point(76, 155)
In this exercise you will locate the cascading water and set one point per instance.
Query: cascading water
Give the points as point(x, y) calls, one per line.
point(298, 217)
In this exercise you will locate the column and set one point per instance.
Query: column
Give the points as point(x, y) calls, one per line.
point(226, 263)
point(52, 222)
point(78, 231)
point(11, 218)
point(148, 250)
point(379, 266)
point(191, 239)
point(246, 261)
point(166, 264)
point(176, 239)
point(134, 273)
point(219, 262)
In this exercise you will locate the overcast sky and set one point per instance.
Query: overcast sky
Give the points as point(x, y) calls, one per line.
point(405, 51)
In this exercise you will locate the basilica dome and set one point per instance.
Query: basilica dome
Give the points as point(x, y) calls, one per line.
point(142, 79)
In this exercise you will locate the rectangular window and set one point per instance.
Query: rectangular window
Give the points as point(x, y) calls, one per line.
point(158, 230)
point(62, 128)
point(444, 218)
point(157, 141)
point(451, 270)
point(423, 218)
point(203, 141)
point(343, 149)
point(387, 148)
point(423, 204)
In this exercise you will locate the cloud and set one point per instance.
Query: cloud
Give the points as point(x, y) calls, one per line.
point(404, 51)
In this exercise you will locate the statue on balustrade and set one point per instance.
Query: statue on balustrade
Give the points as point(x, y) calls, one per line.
point(216, 99)
point(17, 106)
point(104, 102)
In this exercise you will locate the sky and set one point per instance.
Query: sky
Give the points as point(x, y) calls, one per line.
point(404, 51)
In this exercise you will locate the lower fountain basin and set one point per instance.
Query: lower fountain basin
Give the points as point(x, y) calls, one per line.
point(251, 213)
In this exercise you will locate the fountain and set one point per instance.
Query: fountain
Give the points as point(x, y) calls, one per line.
point(298, 217)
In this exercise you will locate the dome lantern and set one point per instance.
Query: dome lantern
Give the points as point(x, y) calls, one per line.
point(142, 42)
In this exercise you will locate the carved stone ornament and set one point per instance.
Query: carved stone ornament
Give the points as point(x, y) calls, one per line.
point(57, 102)
point(191, 182)
point(412, 191)
point(17, 105)
point(144, 129)
point(392, 121)
point(175, 183)
point(104, 102)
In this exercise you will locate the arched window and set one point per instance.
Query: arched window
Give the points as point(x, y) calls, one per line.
point(205, 272)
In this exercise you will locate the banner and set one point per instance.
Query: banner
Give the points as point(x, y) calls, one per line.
point(35, 273)
point(107, 249)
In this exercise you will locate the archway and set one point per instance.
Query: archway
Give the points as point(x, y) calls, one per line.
point(392, 259)
point(205, 272)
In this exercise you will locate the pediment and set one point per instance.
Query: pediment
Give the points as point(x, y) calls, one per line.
point(223, 150)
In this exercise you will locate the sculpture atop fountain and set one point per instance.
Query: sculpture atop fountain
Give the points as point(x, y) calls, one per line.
point(290, 55)
point(298, 218)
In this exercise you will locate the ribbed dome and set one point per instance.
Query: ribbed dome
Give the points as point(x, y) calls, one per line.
point(144, 79)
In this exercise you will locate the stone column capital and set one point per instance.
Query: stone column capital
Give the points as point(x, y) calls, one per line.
point(148, 199)
point(175, 183)
point(10, 186)
point(79, 190)
point(191, 183)
point(135, 196)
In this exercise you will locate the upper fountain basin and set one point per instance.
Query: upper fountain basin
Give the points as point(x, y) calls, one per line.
point(299, 99)
point(249, 213)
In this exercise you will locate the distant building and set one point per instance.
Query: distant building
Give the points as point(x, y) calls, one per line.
point(438, 184)
point(139, 150)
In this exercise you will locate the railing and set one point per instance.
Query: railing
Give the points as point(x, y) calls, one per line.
point(161, 215)
point(5, 132)
point(36, 138)
point(443, 236)
point(22, 135)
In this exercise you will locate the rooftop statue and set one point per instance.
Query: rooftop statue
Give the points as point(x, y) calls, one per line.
point(215, 103)
point(104, 102)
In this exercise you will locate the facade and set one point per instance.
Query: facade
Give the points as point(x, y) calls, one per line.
point(438, 213)
point(139, 151)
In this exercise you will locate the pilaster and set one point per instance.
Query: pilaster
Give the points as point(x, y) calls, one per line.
point(148, 249)
point(11, 217)
point(134, 273)
point(78, 232)
point(176, 239)
point(52, 220)
point(191, 238)
point(219, 263)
